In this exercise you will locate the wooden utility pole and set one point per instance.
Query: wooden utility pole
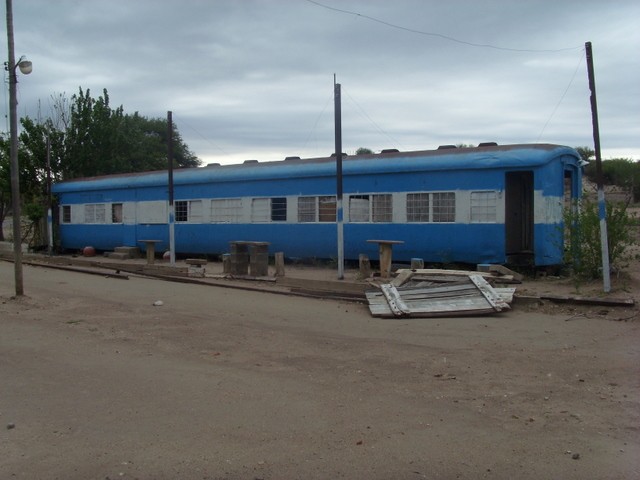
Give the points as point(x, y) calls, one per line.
point(602, 207)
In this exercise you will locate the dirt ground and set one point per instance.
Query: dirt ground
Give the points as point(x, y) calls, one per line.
point(218, 383)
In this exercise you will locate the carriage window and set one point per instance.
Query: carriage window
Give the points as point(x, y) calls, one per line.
point(182, 211)
point(327, 209)
point(359, 208)
point(444, 207)
point(483, 207)
point(382, 208)
point(66, 214)
point(94, 213)
point(226, 210)
point(306, 209)
point(116, 213)
point(188, 210)
point(279, 209)
point(195, 211)
point(568, 190)
point(417, 207)
point(260, 210)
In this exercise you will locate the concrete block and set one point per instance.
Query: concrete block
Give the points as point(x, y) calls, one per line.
point(118, 256)
point(417, 263)
point(365, 265)
point(196, 262)
point(130, 252)
point(279, 261)
point(195, 271)
point(226, 263)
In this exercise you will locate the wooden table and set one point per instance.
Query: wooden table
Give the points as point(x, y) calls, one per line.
point(384, 249)
point(150, 246)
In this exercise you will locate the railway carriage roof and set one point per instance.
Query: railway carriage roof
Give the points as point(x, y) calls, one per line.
point(492, 157)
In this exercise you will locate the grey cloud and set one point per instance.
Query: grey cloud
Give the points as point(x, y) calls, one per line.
point(253, 79)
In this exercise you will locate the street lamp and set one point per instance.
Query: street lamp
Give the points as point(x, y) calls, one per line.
point(25, 68)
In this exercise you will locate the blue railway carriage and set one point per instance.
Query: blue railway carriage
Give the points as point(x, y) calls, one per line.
point(491, 204)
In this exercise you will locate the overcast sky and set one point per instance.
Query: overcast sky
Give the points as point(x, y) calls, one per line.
point(253, 79)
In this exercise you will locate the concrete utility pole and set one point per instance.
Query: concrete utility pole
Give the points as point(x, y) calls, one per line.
point(172, 211)
point(25, 68)
point(339, 210)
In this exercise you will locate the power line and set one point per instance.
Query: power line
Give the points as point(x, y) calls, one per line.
point(393, 140)
point(439, 35)
point(315, 125)
point(203, 137)
point(575, 72)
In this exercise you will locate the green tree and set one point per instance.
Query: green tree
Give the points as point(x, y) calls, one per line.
point(622, 172)
point(364, 151)
point(100, 140)
point(32, 157)
point(146, 145)
point(87, 138)
point(91, 138)
point(5, 181)
point(586, 153)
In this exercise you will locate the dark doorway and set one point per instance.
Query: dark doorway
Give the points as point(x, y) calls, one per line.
point(519, 218)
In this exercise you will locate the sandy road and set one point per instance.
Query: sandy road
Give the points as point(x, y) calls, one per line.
point(226, 384)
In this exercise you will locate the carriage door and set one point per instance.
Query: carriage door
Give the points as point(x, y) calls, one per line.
point(519, 217)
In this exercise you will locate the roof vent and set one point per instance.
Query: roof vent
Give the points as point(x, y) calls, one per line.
point(250, 161)
point(488, 144)
point(390, 150)
point(446, 147)
point(291, 158)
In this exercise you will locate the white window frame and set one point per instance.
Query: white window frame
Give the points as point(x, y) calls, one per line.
point(227, 210)
point(317, 209)
point(65, 214)
point(117, 213)
point(420, 209)
point(442, 211)
point(260, 210)
point(434, 207)
point(307, 209)
point(95, 213)
point(192, 209)
point(359, 208)
point(483, 206)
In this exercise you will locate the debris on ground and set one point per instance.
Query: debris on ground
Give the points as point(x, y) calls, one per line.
point(441, 293)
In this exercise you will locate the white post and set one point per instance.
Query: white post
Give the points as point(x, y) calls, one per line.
point(172, 235)
point(340, 239)
point(50, 230)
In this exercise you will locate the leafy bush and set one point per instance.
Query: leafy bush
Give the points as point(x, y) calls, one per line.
point(583, 251)
point(622, 172)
